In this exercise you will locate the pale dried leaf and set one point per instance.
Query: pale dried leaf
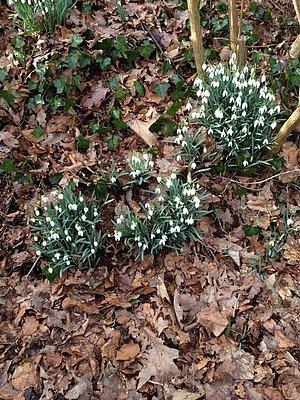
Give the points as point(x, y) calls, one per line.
point(141, 128)
point(128, 351)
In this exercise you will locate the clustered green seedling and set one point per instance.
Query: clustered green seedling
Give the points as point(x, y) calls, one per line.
point(67, 232)
point(238, 112)
point(167, 221)
point(42, 15)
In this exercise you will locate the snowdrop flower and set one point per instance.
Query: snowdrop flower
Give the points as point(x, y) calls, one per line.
point(44, 243)
point(193, 165)
point(178, 157)
point(113, 180)
point(157, 190)
point(92, 251)
point(188, 106)
point(57, 256)
point(245, 163)
point(60, 196)
point(83, 217)
point(117, 235)
point(273, 125)
point(185, 211)
point(289, 221)
point(190, 221)
point(133, 226)
point(219, 114)
point(68, 238)
point(38, 253)
point(158, 179)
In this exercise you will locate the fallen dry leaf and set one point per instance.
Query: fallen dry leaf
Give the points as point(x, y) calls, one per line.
point(141, 128)
point(158, 362)
point(128, 351)
point(99, 93)
point(25, 376)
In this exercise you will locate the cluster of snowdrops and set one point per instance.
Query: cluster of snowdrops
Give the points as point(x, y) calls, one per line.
point(232, 108)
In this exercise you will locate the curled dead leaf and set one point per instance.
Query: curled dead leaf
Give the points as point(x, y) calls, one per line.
point(141, 128)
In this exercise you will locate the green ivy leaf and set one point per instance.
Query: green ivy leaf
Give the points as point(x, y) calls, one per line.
point(38, 132)
point(76, 41)
point(112, 142)
point(83, 144)
point(8, 97)
point(139, 88)
point(146, 49)
point(250, 230)
point(8, 166)
point(162, 89)
point(3, 74)
point(61, 84)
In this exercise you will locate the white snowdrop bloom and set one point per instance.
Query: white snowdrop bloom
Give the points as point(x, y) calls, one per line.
point(56, 208)
point(273, 125)
point(244, 106)
point(137, 172)
point(289, 221)
point(158, 179)
point(54, 193)
point(36, 211)
point(244, 130)
point(151, 164)
point(140, 244)
point(198, 81)
point(83, 217)
point(38, 253)
point(263, 78)
point(161, 199)
point(215, 84)
point(230, 132)
point(178, 157)
point(231, 100)
point(245, 163)
point(233, 108)
point(152, 236)
point(92, 251)
point(177, 228)
point(117, 235)
point(171, 223)
point(177, 199)
point(68, 262)
point(234, 117)
point(230, 144)
point(44, 243)
point(57, 256)
point(95, 213)
point(184, 143)
point(199, 93)
point(190, 221)
point(163, 240)
point(145, 246)
point(85, 210)
point(52, 223)
point(60, 196)
point(77, 227)
point(113, 180)
point(266, 141)
point(133, 226)
point(119, 220)
point(277, 109)
point(157, 190)
point(193, 165)
point(204, 101)
point(224, 93)
point(173, 175)
point(150, 214)
point(44, 199)
point(206, 93)
point(184, 129)
point(204, 150)
point(239, 101)
point(35, 238)
point(80, 233)
point(204, 67)
point(74, 207)
point(244, 114)
point(158, 231)
point(219, 114)
point(50, 270)
point(188, 106)
point(145, 156)
point(185, 211)
point(256, 123)
point(223, 134)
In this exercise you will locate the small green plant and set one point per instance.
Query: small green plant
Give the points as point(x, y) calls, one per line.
point(278, 238)
point(167, 221)
point(42, 15)
point(66, 232)
point(141, 166)
point(238, 112)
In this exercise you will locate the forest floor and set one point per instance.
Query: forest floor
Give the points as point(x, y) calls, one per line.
point(219, 320)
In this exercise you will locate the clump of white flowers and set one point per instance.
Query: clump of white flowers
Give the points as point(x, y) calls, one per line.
point(141, 168)
point(237, 110)
point(66, 232)
point(167, 221)
point(51, 12)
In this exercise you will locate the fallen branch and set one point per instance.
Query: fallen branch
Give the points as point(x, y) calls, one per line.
point(244, 184)
point(286, 129)
point(196, 33)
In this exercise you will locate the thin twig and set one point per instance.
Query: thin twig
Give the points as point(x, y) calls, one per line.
point(262, 181)
point(34, 264)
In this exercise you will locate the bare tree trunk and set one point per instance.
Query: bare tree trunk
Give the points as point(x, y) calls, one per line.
point(297, 8)
point(241, 52)
point(295, 48)
point(196, 33)
point(286, 129)
point(234, 25)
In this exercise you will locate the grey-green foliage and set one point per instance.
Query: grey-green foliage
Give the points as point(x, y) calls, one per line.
point(237, 110)
point(168, 221)
point(42, 15)
point(67, 231)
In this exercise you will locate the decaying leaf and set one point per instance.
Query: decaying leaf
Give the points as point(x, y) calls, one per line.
point(25, 376)
point(158, 362)
point(128, 351)
point(141, 128)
